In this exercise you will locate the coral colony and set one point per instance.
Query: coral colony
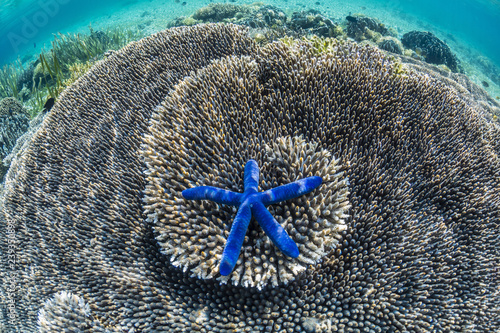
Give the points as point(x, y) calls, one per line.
point(252, 202)
point(107, 243)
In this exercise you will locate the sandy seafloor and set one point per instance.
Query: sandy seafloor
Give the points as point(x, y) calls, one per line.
point(158, 13)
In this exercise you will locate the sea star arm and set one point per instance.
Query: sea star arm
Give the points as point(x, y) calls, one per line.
point(235, 240)
point(290, 191)
point(251, 181)
point(274, 230)
point(214, 194)
point(251, 202)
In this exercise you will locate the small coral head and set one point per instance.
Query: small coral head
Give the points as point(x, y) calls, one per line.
point(252, 203)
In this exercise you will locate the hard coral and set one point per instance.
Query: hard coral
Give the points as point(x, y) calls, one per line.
point(66, 308)
point(432, 48)
point(314, 222)
point(391, 44)
point(14, 121)
point(10, 106)
point(11, 128)
point(216, 12)
point(420, 251)
point(87, 146)
point(361, 27)
point(314, 23)
point(265, 17)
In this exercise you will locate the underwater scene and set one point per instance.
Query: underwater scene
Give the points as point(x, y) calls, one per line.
point(240, 166)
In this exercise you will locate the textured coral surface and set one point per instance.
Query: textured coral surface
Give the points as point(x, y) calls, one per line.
point(14, 121)
point(419, 252)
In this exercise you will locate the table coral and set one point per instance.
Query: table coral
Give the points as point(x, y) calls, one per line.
point(101, 182)
point(14, 121)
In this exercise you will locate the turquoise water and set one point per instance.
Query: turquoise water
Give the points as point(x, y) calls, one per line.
point(476, 24)
point(27, 25)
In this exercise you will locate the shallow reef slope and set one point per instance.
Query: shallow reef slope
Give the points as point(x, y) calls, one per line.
point(96, 194)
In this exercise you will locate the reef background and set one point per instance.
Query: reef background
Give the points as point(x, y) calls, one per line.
point(473, 25)
point(469, 27)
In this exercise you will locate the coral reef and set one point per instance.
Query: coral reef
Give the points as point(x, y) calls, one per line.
point(391, 44)
point(183, 20)
point(313, 223)
point(17, 155)
point(268, 22)
point(265, 17)
point(314, 23)
point(361, 27)
point(11, 128)
point(66, 308)
point(474, 95)
point(10, 106)
point(256, 15)
point(14, 122)
point(420, 249)
point(489, 69)
point(217, 12)
point(431, 48)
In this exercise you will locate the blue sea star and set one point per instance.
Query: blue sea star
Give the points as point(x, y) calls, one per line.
point(252, 202)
